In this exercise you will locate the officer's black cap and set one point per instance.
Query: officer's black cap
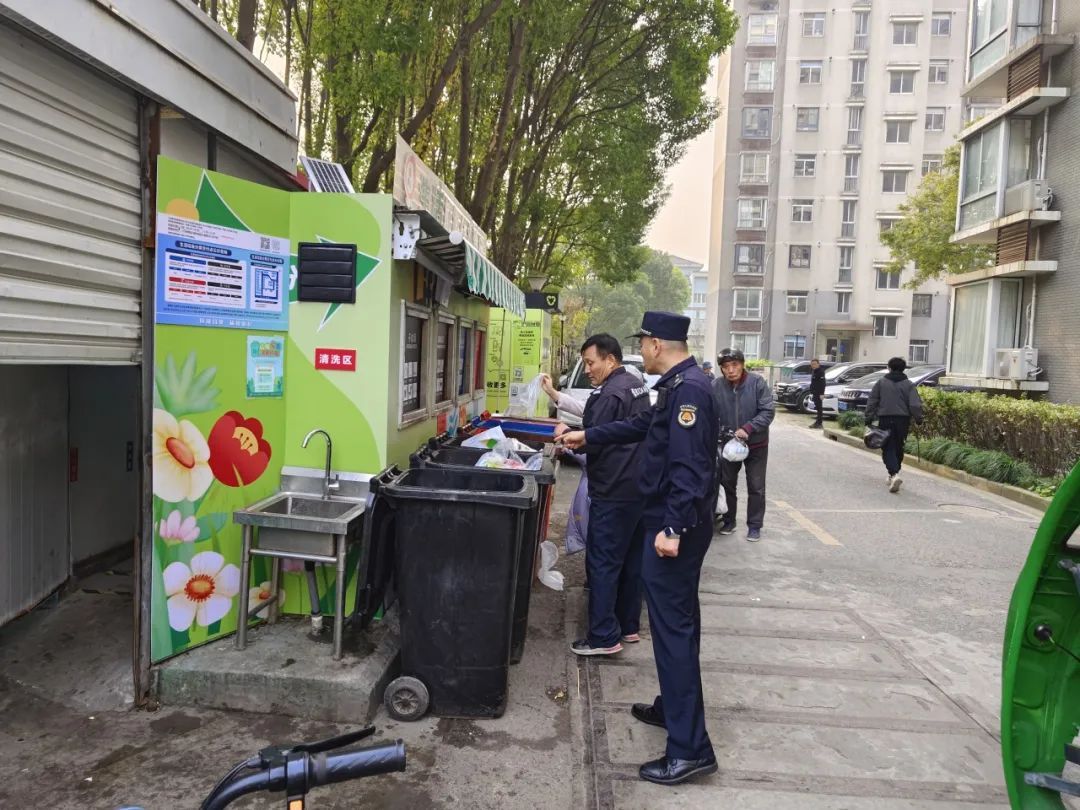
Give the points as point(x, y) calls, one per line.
point(730, 356)
point(663, 325)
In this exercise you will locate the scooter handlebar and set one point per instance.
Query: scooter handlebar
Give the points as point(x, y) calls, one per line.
point(345, 765)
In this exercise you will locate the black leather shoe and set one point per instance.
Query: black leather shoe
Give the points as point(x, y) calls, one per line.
point(669, 771)
point(647, 713)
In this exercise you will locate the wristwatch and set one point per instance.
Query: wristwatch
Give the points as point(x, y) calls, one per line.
point(670, 533)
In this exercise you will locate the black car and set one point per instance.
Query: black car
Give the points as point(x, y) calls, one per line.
point(854, 398)
point(794, 372)
point(792, 393)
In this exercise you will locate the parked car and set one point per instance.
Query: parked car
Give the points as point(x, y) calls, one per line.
point(794, 394)
point(579, 386)
point(855, 396)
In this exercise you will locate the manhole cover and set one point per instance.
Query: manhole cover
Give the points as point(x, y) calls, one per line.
point(971, 511)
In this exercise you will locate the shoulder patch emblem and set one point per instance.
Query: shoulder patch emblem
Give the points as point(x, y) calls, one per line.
point(688, 415)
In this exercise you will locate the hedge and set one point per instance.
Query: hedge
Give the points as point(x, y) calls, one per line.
point(1044, 436)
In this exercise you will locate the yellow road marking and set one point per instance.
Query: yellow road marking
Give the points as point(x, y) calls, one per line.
point(823, 536)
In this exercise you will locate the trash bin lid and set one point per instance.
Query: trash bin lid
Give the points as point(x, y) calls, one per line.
point(509, 488)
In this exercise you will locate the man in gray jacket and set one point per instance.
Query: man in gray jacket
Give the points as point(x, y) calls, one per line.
point(894, 402)
point(744, 404)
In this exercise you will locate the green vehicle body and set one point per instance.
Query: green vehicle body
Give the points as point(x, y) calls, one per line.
point(1040, 702)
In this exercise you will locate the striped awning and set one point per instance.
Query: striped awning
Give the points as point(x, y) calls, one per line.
point(480, 276)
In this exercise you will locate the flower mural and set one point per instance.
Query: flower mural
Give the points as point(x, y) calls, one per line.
point(202, 593)
point(261, 594)
point(238, 452)
point(181, 459)
point(179, 529)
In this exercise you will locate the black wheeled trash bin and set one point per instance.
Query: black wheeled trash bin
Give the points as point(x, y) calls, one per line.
point(536, 524)
point(458, 542)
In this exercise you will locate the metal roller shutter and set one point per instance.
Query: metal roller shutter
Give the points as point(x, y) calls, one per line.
point(70, 203)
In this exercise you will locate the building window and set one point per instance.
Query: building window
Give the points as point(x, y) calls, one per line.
point(885, 325)
point(794, 347)
point(901, 82)
point(754, 167)
point(977, 111)
point(806, 119)
point(978, 189)
point(796, 303)
point(479, 356)
point(805, 165)
point(851, 172)
point(935, 119)
point(813, 24)
point(847, 259)
point(464, 358)
point(749, 343)
point(413, 360)
point(444, 390)
point(861, 40)
point(761, 29)
point(847, 220)
point(930, 163)
point(918, 352)
point(922, 305)
point(941, 25)
point(894, 181)
point(752, 213)
point(897, 131)
point(885, 224)
point(749, 259)
point(858, 78)
point(760, 75)
point(939, 72)
point(886, 280)
point(843, 303)
point(699, 298)
point(854, 126)
point(802, 210)
point(799, 256)
point(905, 33)
point(809, 72)
point(747, 304)
point(757, 122)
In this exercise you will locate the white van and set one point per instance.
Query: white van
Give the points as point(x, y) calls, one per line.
point(578, 386)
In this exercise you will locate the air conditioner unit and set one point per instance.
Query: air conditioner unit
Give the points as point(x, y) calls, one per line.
point(1031, 195)
point(1017, 364)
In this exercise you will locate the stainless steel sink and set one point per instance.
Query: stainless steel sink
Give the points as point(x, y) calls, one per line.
point(302, 523)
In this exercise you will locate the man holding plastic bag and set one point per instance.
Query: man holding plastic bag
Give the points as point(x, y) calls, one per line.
point(614, 541)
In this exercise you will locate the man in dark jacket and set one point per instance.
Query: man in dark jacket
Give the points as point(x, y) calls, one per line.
point(744, 403)
point(817, 389)
point(615, 534)
point(894, 402)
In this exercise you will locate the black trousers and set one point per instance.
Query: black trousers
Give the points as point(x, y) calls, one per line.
point(818, 407)
point(892, 453)
point(756, 464)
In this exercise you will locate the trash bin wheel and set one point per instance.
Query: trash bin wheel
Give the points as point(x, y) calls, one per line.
point(406, 698)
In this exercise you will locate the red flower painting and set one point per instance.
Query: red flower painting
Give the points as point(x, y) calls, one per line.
point(238, 452)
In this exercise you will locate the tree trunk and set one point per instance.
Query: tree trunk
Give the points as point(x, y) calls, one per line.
point(245, 23)
point(463, 163)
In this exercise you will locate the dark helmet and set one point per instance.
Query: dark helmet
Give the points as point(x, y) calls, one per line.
point(730, 356)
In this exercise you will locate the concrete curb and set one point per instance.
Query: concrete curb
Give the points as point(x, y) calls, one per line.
point(1011, 493)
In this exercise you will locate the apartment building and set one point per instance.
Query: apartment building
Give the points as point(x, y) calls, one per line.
point(1015, 325)
point(833, 111)
point(698, 279)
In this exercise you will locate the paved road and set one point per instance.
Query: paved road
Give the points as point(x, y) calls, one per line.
point(851, 658)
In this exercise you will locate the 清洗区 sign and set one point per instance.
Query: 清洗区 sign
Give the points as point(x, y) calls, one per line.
point(335, 359)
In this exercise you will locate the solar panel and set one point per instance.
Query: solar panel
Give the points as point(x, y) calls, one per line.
point(326, 175)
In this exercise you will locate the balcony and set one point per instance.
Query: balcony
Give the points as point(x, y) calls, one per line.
point(981, 217)
point(860, 42)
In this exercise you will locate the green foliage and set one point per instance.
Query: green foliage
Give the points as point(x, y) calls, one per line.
point(992, 465)
point(1044, 435)
point(850, 419)
point(922, 236)
point(757, 363)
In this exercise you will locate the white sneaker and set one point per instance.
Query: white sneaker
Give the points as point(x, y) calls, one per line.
point(895, 482)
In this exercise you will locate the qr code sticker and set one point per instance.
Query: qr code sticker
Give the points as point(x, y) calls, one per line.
point(264, 243)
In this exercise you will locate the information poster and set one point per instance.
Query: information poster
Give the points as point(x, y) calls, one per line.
point(265, 366)
point(211, 275)
point(410, 372)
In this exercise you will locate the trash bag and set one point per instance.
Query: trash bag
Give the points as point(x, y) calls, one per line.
point(501, 457)
point(736, 450)
point(875, 438)
point(488, 439)
point(525, 398)
point(549, 555)
point(721, 501)
point(577, 524)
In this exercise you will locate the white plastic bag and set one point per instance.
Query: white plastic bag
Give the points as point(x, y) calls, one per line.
point(486, 440)
point(549, 555)
point(524, 398)
point(501, 458)
point(721, 501)
point(535, 462)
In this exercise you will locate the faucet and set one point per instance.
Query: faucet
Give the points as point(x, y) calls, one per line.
point(329, 484)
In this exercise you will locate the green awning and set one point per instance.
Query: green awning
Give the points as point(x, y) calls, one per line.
point(484, 279)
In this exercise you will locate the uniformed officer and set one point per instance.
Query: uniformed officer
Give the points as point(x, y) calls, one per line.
point(676, 478)
point(613, 551)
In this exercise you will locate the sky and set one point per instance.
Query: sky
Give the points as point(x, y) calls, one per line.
point(682, 225)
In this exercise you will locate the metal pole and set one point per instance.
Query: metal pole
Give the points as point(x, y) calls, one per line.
point(339, 597)
point(245, 580)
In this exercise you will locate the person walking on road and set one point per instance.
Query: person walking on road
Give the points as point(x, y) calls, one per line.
point(680, 436)
point(817, 389)
point(614, 540)
point(894, 402)
point(745, 403)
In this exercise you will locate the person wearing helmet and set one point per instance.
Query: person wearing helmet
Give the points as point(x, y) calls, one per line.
point(895, 403)
point(744, 404)
point(680, 435)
